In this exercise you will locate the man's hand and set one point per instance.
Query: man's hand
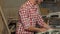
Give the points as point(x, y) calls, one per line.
point(46, 26)
point(43, 30)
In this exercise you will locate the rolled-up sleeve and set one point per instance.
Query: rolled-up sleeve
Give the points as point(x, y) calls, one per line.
point(40, 20)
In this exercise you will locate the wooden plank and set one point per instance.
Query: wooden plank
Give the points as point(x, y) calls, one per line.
point(1, 25)
point(44, 11)
point(4, 20)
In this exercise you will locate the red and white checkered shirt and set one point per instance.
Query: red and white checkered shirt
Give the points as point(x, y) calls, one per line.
point(29, 16)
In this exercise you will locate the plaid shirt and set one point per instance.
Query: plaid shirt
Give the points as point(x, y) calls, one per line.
point(29, 16)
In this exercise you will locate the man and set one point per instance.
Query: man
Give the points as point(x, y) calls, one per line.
point(29, 17)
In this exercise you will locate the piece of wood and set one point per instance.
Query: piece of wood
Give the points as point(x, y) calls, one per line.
point(44, 11)
point(1, 25)
point(4, 20)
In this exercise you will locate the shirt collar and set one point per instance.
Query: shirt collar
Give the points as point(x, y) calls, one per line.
point(29, 3)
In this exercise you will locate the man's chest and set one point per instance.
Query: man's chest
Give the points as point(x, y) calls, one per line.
point(33, 10)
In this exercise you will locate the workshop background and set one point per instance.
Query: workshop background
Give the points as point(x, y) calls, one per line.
point(49, 9)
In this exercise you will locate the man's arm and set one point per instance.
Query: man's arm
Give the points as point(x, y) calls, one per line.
point(34, 29)
point(46, 26)
point(42, 23)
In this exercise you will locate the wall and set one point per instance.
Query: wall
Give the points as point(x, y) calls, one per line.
point(10, 7)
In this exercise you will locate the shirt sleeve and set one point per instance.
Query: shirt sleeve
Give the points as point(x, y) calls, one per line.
point(40, 20)
point(26, 20)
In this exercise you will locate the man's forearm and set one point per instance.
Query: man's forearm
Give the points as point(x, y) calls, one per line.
point(34, 29)
point(46, 25)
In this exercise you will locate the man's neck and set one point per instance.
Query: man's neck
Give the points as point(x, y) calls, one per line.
point(33, 2)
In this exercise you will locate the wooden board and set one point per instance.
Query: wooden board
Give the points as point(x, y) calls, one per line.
point(44, 11)
point(3, 26)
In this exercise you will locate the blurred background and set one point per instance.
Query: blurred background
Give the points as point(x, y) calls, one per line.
point(49, 9)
